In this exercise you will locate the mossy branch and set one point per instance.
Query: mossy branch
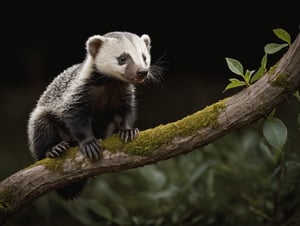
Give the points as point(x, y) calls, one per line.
point(160, 143)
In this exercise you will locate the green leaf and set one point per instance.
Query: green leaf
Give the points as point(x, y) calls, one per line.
point(235, 66)
point(273, 112)
point(99, 209)
point(283, 35)
point(267, 152)
point(211, 183)
point(258, 74)
point(261, 70)
point(248, 76)
point(155, 177)
point(198, 172)
point(275, 132)
point(297, 95)
point(234, 83)
point(298, 120)
point(272, 48)
point(263, 61)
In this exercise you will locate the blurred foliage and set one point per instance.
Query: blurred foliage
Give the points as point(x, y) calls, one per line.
point(230, 182)
point(227, 182)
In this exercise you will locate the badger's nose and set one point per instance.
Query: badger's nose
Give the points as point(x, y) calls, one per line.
point(142, 73)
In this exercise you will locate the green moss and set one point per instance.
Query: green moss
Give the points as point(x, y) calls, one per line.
point(5, 201)
point(271, 71)
point(281, 80)
point(55, 164)
point(51, 164)
point(153, 138)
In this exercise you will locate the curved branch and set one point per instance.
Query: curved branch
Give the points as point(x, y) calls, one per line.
point(160, 143)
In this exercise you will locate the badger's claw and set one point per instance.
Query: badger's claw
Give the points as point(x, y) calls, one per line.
point(58, 150)
point(128, 134)
point(91, 149)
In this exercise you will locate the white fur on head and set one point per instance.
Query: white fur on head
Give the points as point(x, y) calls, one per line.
point(103, 52)
point(147, 40)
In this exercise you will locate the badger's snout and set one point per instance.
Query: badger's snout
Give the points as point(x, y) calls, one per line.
point(141, 74)
point(135, 73)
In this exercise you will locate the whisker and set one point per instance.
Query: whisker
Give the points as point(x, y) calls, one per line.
point(156, 72)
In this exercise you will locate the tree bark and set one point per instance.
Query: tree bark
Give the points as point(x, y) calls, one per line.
point(160, 143)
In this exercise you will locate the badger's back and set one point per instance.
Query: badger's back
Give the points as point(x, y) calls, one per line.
point(53, 95)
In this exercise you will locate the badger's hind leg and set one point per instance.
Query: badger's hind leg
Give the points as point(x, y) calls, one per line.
point(73, 190)
point(49, 138)
point(45, 136)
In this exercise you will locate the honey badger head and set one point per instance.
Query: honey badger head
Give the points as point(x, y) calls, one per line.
point(122, 55)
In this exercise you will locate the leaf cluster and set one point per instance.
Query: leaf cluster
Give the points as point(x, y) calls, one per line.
point(247, 77)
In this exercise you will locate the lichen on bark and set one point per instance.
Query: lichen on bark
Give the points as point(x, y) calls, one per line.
point(5, 201)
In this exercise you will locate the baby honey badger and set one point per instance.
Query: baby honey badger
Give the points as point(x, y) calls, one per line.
point(91, 100)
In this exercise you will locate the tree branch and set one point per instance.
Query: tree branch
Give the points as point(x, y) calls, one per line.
point(160, 143)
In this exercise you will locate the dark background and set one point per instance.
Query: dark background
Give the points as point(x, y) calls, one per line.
point(39, 41)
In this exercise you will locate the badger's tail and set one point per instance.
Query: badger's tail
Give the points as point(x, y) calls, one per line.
point(72, 191)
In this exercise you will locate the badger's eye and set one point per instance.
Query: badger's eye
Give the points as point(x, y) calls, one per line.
point(122, 58)
point(144, 58)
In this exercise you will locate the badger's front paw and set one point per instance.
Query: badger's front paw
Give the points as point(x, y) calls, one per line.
point(91, 149)
point(58, 150)
point(128, 134)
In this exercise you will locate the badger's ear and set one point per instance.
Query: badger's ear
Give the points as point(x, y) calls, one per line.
point(93, 44)
point(147, 40)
